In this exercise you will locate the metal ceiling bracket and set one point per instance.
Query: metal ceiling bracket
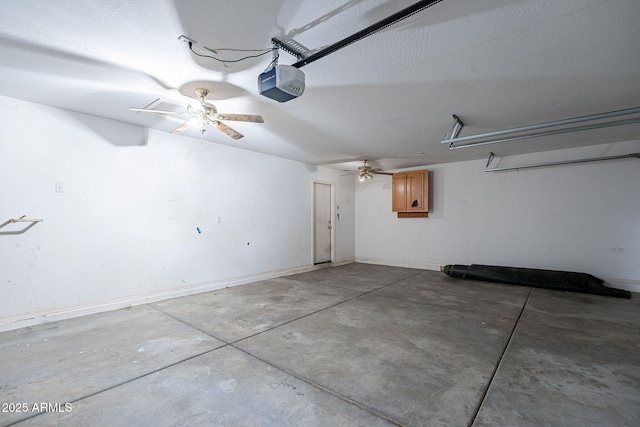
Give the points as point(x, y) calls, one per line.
point(563, 162)
point(287, 47)
point(456, 128)
point(21, 219)
point(522, 132)
point(490, 159)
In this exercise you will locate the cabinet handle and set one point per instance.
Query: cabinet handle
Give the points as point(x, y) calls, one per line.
point(415, 204)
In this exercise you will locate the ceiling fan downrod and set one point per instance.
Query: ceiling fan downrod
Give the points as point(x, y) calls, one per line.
point(202, 94)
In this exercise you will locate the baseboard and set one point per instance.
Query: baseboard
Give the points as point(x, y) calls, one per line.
point(11, 323)
point(399, 263)
point(629, 285)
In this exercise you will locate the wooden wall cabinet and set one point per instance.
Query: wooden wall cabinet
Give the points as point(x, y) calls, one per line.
point(410, 194)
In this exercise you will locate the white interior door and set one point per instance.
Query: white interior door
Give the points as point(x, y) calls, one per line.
point(322, 223)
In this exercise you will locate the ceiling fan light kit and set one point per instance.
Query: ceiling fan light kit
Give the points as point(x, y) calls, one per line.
point(364, 176)
point(366, 172)
point(205, 114)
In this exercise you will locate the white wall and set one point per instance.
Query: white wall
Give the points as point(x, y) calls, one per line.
point(582, 217)
point(123, 231)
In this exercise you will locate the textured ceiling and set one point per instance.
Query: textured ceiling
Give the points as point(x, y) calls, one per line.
point(389, 97)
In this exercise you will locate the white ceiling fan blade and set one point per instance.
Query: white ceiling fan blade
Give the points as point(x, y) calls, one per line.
point(182, 127)
point(227, 130)
point(142, 110)
point(241, 117)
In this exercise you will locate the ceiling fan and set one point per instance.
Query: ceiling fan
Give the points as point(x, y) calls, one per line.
point(366, 172)
point(204, 114)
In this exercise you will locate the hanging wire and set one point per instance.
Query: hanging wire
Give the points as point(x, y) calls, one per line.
point(229, 61)
point(276, 56)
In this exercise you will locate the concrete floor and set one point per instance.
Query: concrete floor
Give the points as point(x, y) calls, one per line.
point(355, 345)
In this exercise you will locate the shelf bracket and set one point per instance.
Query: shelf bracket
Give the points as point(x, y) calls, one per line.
point(21, 219)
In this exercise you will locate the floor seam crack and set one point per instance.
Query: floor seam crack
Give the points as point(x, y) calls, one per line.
point(502, 356)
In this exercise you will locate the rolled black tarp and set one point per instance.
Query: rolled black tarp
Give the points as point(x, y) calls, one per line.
point(547, 279)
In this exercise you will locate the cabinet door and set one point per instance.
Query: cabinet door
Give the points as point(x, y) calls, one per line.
point(415, 192)
point(398, 193)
